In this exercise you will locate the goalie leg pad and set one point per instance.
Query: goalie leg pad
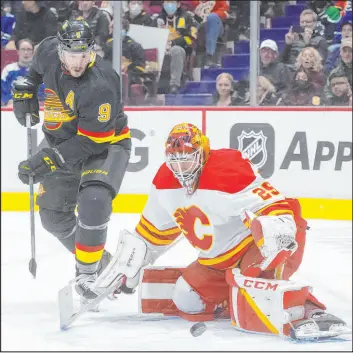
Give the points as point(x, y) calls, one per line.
point(155, 290)
point(195, 296)
point(266, 306)
point(127, 260)
point(186, 299)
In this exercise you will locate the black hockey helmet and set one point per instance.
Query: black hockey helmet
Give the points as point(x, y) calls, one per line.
point(76, 36)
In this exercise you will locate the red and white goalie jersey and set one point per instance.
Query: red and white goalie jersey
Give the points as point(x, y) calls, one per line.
point(211, 218)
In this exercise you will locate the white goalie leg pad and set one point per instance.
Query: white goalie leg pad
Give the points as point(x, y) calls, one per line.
point(265, 306)
point(128, 259)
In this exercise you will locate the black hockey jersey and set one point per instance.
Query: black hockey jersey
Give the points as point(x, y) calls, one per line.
point(87, 108)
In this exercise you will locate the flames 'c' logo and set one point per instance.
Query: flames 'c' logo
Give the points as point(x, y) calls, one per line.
point(186, 218)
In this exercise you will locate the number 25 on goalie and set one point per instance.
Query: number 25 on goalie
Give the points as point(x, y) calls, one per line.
point(265, 191)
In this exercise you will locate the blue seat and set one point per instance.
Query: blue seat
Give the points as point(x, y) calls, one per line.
point(239, 60)
point(193, 87)
point(294, 10)
point(211, 74)
point(276, 34)
point(242, 47)
point(187, 99)
point(285, 22)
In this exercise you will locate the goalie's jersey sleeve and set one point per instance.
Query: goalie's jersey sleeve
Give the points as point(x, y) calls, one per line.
point(156, 226)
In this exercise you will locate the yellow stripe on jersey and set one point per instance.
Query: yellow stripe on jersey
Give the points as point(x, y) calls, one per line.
point(227, 255)
point(153, 229)
point(146, 235)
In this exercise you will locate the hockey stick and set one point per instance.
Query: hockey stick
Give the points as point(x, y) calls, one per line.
point(32, 261)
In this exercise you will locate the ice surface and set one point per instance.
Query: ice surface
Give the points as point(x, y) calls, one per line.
point(29, 309)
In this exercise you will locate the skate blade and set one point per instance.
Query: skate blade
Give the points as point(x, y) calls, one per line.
point(67, 314)
point(321, 335)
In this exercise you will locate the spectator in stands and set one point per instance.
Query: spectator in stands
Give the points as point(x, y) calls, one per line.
point(132, 60)
point(334, 50)
point(226, 93)
point(344, 66)
point(62, 10)
point(7, 23)
point(278, 73)
point(266, 92)
point(212, 15)
point(17, 69)
point(96, 18)
point(346, 58)
point(302, 93)
point(137, 15)
point(180, 40)
point(16, 6)
point(35, 22)
point(310, 60)
point(340, 93)
point(308, 35)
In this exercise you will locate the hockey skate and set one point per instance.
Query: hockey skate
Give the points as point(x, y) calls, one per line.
point(84, 282)
point(319, 325)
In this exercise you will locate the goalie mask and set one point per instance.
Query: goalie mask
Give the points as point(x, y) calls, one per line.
point(187, 151)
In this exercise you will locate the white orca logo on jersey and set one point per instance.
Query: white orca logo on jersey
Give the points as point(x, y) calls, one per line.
point(252, 144)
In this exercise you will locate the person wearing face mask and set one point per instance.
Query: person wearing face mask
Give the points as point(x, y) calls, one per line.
point(133, 56)
point(136, 15)
point(340, 89)
point(182, 35)
point(302, 93)
point(13, 71)
point(310, 34)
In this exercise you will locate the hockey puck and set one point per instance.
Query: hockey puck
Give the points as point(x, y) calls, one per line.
point(198, 329)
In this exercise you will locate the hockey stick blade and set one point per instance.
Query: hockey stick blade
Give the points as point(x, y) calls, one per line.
point(33, 267)
point(67, 314)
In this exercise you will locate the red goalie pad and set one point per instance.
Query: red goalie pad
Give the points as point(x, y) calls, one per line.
point(156, 288)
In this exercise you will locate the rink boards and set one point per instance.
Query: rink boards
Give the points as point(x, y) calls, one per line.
point(305, 152)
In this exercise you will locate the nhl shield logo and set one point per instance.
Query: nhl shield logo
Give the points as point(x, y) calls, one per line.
point(253, 146)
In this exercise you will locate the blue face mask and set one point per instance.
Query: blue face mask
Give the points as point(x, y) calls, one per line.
point(123, 33)
point(170, 8)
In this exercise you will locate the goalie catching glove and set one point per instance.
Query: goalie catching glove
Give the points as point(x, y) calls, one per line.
point(24, 94)
point(45, 161)
point(275, 238)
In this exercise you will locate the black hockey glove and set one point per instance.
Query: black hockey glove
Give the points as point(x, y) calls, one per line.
point(24, 95)
point(44, 162)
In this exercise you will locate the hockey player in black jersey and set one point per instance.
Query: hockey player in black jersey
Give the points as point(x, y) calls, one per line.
point(89, 144)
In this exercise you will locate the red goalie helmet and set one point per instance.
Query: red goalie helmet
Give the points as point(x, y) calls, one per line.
point(187, 151)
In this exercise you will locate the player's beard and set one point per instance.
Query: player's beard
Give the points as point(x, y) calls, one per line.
point(77, 72)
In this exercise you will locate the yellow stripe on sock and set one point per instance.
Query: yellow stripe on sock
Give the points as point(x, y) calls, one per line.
point(88, 257)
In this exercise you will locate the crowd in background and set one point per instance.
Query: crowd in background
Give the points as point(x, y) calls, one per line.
point(313, 67)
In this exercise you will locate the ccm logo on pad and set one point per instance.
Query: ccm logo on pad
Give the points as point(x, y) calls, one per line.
point(259, 285)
